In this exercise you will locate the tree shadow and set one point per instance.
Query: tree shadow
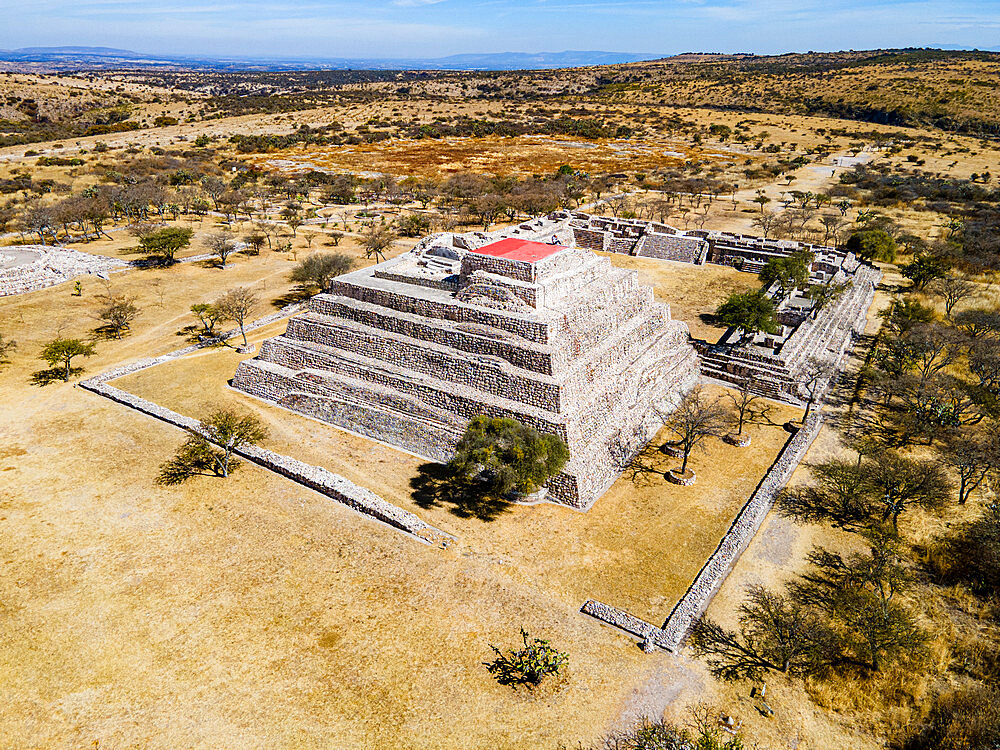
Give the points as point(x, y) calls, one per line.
point(437, 485)
point(292, 296)
point(53, 375)
point(647, 466)
point(811, 505)
point(108, 333)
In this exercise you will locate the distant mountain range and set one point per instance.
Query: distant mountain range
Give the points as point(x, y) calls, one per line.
point(89, 58)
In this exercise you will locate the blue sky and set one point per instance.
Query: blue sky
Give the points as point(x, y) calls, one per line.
point(433, 28)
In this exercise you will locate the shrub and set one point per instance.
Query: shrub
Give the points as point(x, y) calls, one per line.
point(527, 666)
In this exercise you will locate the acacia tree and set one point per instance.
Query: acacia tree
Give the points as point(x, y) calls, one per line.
point(208, 315)
point(210, 447)
point(221, 245)
point(952, 290)
point(255, 242)
point(694, 420)
point(118, 311)
point(162, 245)
point(978, 322)
point(749, 312)
point(823, 294)
point(896, 482)
point(236, 305)
point(788, 273)
point(843, 611)
point(973, 458)
point(318, 269)
point(775, 634)
point(377, 239)
point(61, 352)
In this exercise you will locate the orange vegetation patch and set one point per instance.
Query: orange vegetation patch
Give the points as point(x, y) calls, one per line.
point(522, 155)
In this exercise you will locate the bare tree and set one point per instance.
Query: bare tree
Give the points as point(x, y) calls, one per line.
point(221, 245)
point(695, 420)
point(953, 290)
point(747, 405)
point(972, 458)
point(812, 381)
point(377, 239)
point(236, 305)
point(118, 311)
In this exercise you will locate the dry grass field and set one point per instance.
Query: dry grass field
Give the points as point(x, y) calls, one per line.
point(273, 616)
point(251, 612)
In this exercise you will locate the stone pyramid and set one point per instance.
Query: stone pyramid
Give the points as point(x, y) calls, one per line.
point(409, 350)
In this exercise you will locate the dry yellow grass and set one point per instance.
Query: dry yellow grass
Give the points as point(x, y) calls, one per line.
point(254, 613)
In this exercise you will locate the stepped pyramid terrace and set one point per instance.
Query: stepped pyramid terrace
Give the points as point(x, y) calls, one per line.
point(409, 350)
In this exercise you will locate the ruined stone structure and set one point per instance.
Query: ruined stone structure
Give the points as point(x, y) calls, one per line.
point(648, 239)
point(409, 350)
point(775, 364)
point(25, 268)
point(750, 253)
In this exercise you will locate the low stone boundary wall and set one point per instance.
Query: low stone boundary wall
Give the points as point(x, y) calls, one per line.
point(332, 485)
point(715, 570)
point(736, 540)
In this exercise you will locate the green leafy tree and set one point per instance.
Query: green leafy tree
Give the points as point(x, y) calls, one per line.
point(750, 312)
point(317, 270)
point(209, 316)
point(925, 268)
point(902, 315)
point(210, 448)
point(872, 244)
point(60, 354)
point(164, 244)
point(506, 456)
point(526, 666)
point(413, 225)
point(823, 294)
point(789, 273)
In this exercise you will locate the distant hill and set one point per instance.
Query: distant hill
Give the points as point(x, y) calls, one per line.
point(77, 58)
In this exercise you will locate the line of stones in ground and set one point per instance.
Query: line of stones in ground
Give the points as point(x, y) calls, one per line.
point(338, 488)
point(715, 570)
point(317, 478)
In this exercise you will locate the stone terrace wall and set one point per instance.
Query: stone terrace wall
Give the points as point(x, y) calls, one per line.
point(315, 477)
